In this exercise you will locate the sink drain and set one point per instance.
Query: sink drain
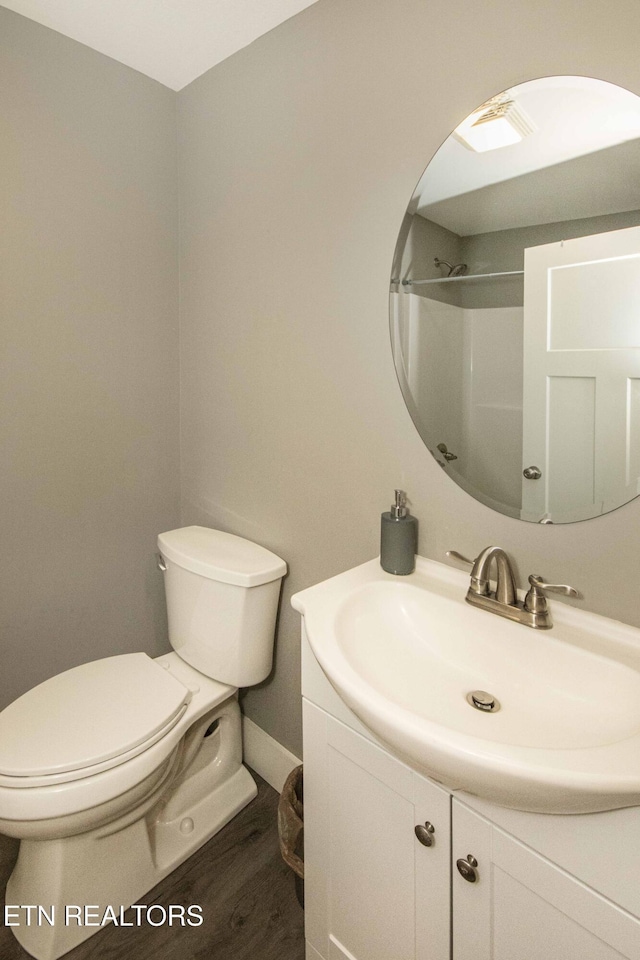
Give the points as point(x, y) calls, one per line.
point(484, 701)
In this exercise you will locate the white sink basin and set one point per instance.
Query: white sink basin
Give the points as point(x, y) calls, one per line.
point(404, 652)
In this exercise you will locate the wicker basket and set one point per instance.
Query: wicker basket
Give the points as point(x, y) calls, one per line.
point(291, 828)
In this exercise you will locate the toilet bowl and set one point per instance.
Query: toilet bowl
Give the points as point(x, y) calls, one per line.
point(114, 772)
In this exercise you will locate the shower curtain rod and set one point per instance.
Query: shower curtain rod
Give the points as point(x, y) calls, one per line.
point(468, 276)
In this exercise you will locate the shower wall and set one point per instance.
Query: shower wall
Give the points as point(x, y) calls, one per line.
point(435, 356)
point(492, 408)
point(463, 367)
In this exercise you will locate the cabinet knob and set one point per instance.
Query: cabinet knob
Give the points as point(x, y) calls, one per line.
point(467, 868)
point(424, 833)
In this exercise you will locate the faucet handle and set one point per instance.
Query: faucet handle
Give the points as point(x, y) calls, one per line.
point(458, 556)
point(535, 600)
point(539, 584)
point(479, 586)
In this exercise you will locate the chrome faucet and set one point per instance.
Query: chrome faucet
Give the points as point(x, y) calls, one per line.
point(532, 612)
point(505, 580)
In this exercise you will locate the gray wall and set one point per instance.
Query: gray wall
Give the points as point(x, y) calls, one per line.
point(89, 353)
point(504, 250)
point(298, 157)
point(425, 241)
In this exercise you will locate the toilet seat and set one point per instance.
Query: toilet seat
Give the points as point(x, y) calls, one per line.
point(88, 719)
point(58, 795)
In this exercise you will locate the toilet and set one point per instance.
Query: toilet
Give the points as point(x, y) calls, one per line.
point(114, 772)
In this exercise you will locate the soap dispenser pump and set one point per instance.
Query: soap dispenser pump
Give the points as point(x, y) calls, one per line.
point(398, 538)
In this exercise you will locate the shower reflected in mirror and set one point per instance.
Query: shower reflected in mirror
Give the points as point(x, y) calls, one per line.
point(515, 303)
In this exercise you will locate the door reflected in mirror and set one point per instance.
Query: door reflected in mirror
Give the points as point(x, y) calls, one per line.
point(515, 301)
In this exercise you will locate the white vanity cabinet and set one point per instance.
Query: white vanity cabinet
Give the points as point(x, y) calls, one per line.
point(373, 891)
point(544, 888)
point(524, 907)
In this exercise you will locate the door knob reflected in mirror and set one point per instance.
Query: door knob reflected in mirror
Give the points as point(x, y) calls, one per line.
point(532, 473)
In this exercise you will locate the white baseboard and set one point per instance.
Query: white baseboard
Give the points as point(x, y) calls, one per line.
point(265, 755)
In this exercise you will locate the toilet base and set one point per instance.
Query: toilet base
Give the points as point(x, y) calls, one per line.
point(116, 864)
point(115, 870)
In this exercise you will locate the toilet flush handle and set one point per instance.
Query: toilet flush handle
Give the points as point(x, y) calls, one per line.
point(161, 564)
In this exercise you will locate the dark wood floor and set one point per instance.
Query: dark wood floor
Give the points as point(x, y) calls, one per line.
point(247, 894)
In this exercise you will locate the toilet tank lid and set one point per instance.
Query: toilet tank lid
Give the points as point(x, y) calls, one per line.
point(221, 556)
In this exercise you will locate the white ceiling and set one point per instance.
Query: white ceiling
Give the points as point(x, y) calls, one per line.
point(582, 160)
point(173, 41)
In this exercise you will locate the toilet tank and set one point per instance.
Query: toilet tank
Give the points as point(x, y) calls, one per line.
point(222, 598)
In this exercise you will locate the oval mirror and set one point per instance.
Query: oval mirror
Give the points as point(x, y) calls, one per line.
point(515, 301)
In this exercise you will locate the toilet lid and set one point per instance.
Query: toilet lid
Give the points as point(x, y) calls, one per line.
point(87, 715)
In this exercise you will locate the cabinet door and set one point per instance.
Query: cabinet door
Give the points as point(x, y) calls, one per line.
point(523, 907)
point(372, 890)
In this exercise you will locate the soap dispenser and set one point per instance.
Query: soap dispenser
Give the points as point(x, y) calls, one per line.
point(398, 538)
